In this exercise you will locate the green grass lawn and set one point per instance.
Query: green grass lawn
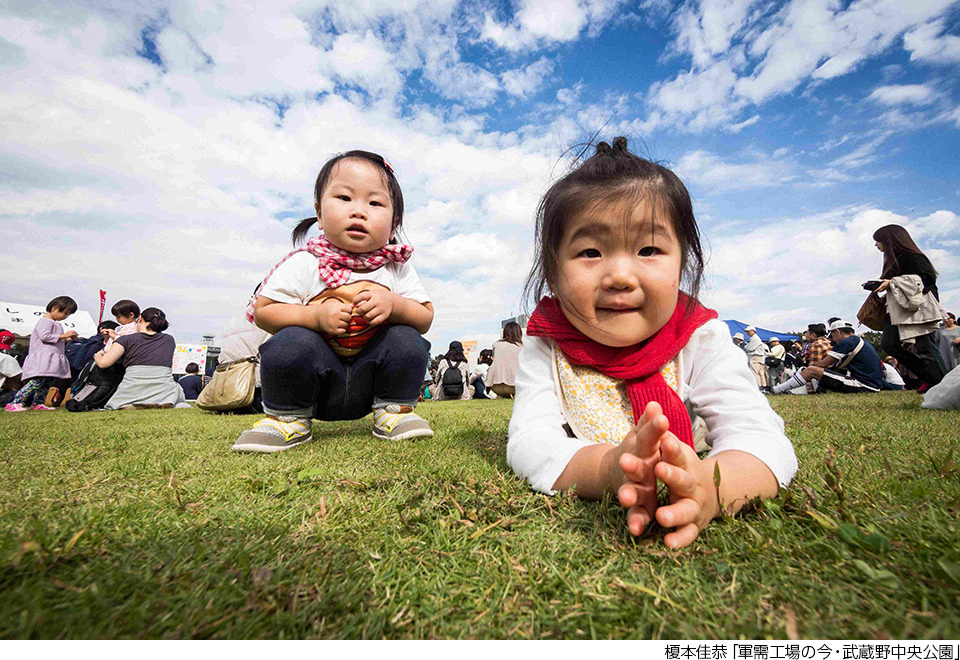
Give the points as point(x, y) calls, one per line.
point(142, 524)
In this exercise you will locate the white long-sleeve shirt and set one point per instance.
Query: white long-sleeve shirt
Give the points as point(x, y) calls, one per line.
point(717, 386)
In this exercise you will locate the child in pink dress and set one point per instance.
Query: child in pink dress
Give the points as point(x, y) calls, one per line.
point(47, 360)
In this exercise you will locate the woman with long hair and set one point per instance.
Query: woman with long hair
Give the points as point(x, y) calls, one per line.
point(901, 256)
point(506, 360)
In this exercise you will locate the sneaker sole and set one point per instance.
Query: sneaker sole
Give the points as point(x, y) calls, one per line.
point(267, 449)
point(415, 433)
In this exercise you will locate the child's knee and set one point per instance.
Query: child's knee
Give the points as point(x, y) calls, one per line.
point(405, 344)
point(292, 348)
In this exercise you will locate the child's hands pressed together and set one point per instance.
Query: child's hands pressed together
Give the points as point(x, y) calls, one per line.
point(639, 455)
point(693, 493)
point(332, 316)
point(375, 305)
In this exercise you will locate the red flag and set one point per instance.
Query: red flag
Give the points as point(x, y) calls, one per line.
point(103, 301)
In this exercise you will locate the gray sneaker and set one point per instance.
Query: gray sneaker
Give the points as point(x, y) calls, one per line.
point(271, 435)
point(397, 422)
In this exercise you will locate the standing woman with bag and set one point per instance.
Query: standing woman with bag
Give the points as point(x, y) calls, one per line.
point(902, 257)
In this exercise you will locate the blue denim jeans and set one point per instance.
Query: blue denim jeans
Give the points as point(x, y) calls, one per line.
point(302, 376)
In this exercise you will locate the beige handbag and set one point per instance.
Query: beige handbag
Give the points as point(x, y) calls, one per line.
point(232, 386)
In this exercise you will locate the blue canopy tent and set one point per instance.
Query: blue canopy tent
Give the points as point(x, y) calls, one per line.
point(763, 333)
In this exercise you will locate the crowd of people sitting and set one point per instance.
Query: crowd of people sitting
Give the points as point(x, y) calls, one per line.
point(127, 364)
point(492, 377)
point(920, 340)
point(832, 357)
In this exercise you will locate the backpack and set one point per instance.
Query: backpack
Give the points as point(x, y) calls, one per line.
point(452, 382)
point(94, 387)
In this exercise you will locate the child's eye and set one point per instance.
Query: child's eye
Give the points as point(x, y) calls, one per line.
point(375, 204)
point(589, 253)
point(649, 251)
point(345, 198)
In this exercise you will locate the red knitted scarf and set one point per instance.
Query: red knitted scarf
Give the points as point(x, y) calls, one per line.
point(639, 365)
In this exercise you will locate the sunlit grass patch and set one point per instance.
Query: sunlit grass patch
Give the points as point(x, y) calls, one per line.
point(143, 524)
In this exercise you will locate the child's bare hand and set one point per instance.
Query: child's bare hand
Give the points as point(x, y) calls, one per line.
point(332, 316)
point(375, 305)
point(640, 454)
point(693, 494)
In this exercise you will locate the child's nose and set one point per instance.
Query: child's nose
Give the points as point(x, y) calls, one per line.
point(620, 277)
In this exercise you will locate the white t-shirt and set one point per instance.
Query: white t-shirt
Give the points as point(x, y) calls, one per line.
point(9, 367)
point(297, 280)
point(891, 375)
point(717, 386)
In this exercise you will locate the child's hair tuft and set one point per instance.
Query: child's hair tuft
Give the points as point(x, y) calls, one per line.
point(389, 177)
point(614, 174)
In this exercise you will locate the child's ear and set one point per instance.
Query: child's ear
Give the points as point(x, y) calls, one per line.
point(316, 206)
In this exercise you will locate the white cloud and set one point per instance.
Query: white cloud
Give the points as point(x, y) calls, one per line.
point(698, 100)
point(706, 31)
point(548, 22)
point(926, 43)
point(528, 80)
point(742, 54)
point(736, 128)
point(366, 61)
point(537, 21)
point(904, 94)
point(708, 170)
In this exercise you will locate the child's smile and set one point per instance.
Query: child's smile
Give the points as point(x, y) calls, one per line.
point(619, 274)
point(355, 210)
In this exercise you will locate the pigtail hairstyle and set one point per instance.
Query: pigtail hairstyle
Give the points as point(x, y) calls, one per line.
point(62, 304)
point(389, 177)
point(614, 175)
point(156, 320)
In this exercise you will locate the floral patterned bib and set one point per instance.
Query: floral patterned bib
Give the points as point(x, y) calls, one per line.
point(597, 406)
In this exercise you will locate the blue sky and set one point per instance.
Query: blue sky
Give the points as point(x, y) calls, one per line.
point(163, 151)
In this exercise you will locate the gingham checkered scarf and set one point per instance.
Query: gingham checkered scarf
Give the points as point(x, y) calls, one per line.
point(337, 265)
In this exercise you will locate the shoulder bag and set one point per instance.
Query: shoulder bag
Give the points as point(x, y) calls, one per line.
point(232, 386)
point(873, 312)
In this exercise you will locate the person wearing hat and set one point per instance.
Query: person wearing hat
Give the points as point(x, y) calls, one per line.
point(851, 365)
point(449, 387)
point(756, 353)
point(775, 372)
point(9, 369)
